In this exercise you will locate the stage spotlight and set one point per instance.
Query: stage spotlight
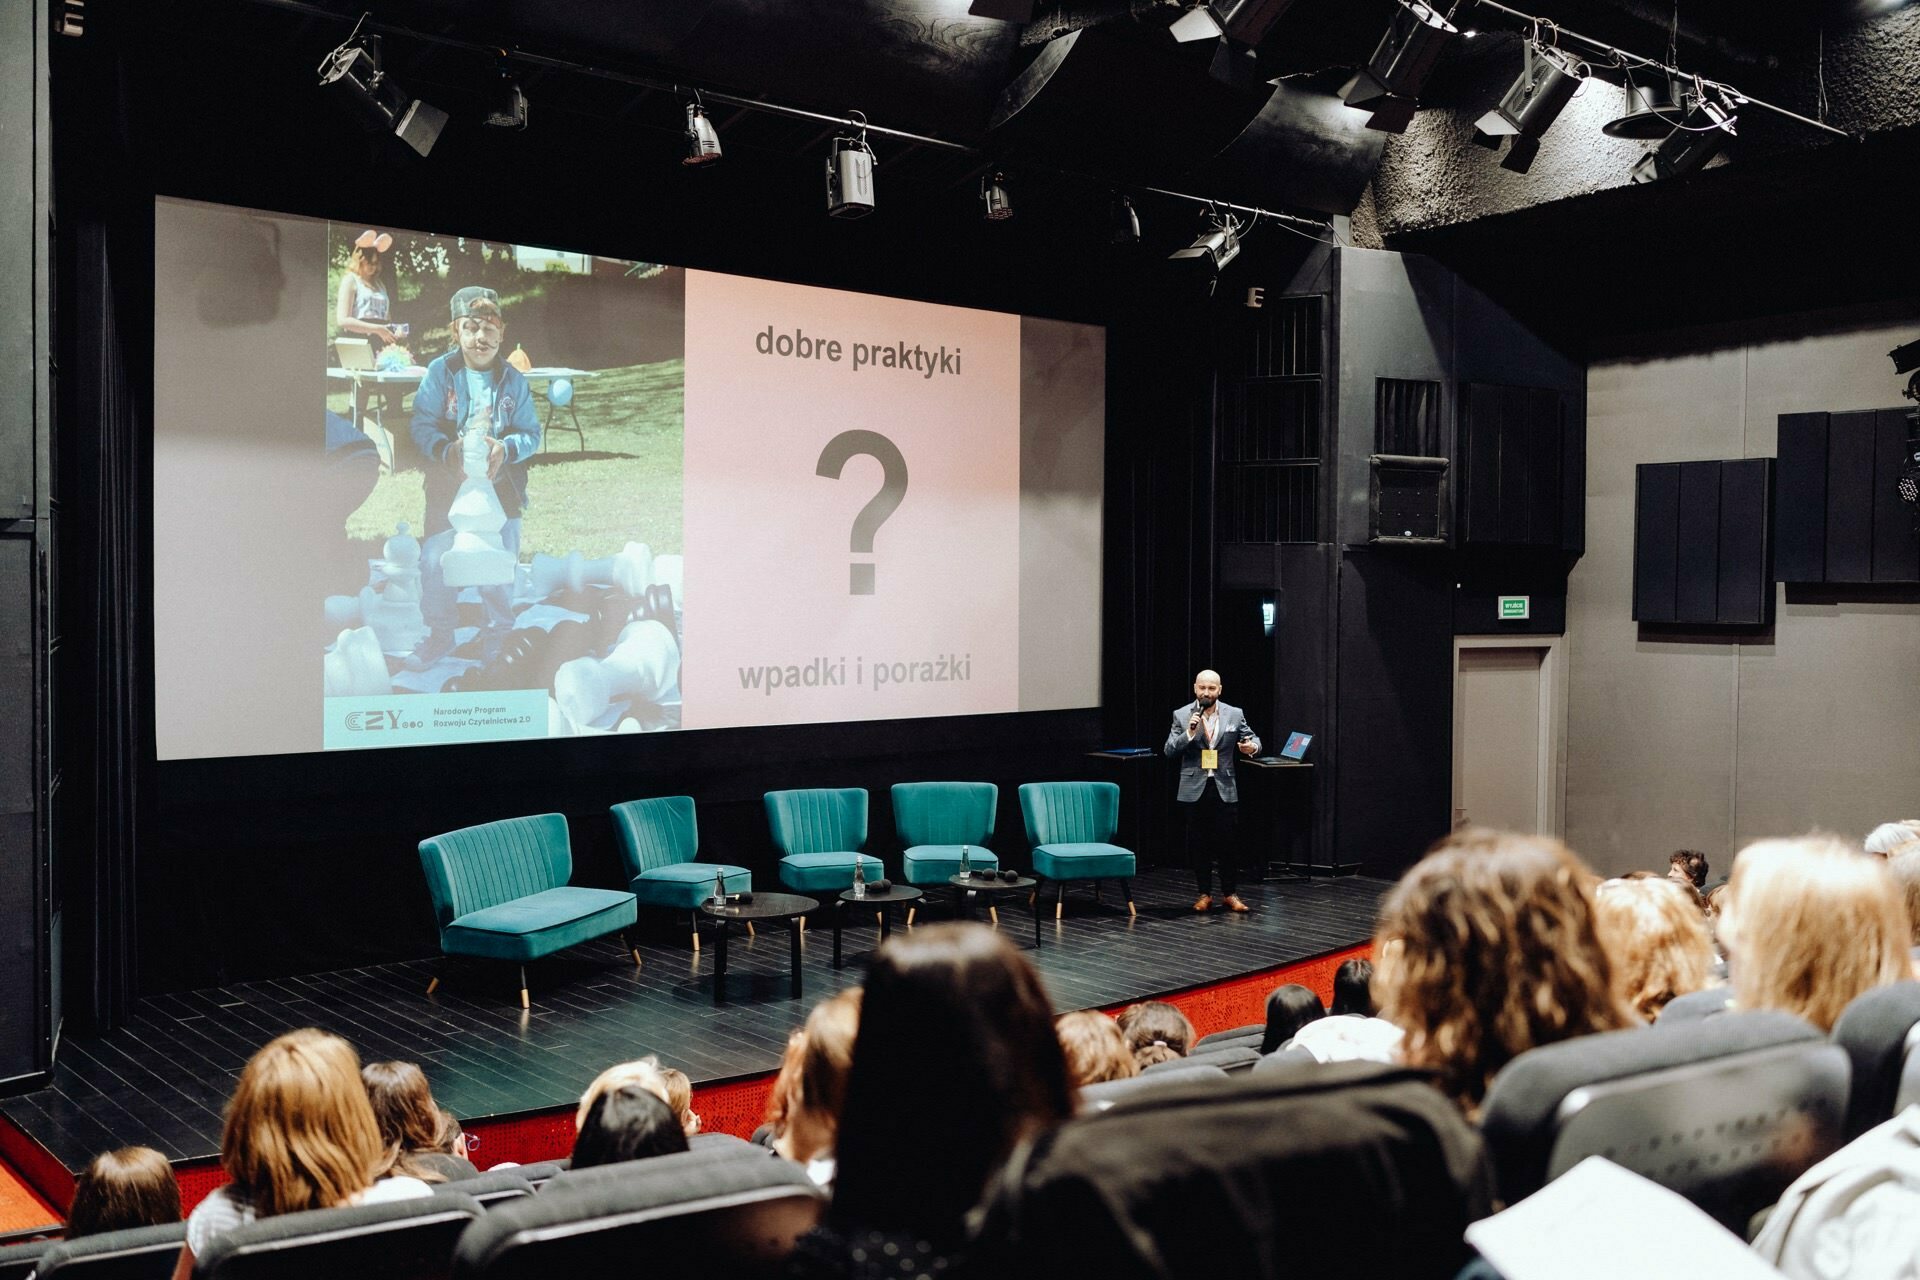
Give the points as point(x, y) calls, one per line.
point(850, 165)
point(993, 193)
point(1547, 81)
point(1389, 85)
point(1697, 138)
point(1218, 245)
point(1650, 110)
point(510, 107)
point(1003, 10)
point(1248, 21)
point(703, 140)
point(1123, 227)
point(1197, 23)
point(354, 71)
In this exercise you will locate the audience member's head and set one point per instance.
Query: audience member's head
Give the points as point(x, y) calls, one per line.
point(627, 1122)
point(1904, 866)
point(1353, 988)
point(644, 1072)
point(299, 1131)
point(411, 1123)
point(1689, 866)
point(1716, 898)
point(1289, 1008)
point(1096, 1050)
point(131, 1187)
point(1809, 924)
point(1498, 954)
point(813, 1081)
point(1155, 1032)
point(1890, 837)
point(1658, 940)
point(955, 1014)
point(680, 1098)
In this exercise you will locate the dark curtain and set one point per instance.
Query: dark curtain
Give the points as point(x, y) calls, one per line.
point(103, 342)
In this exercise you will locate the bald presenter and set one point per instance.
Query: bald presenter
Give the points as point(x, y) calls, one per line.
point(1206, 733)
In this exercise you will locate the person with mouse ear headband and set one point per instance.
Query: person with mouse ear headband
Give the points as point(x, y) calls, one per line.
point(360, 308)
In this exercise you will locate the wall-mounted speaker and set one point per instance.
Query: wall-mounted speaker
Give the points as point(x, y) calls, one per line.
point(1407, 500)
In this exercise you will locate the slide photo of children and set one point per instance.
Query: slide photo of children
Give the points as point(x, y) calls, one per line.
point(522, 543)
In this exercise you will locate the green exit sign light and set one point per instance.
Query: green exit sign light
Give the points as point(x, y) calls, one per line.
point(1515, 608)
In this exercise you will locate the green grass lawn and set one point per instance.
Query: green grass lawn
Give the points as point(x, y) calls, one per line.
point(625, 487)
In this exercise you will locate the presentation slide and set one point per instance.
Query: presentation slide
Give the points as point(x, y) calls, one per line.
point(558, 494)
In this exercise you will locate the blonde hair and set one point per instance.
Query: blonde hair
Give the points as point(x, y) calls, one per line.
point(1657, 937)
point(299, 1131)
point(680, 1097)
point(1811, 923)
point(1095, 1049)
point(813, 1078)
point(1891, 837)
point(643, 1072)
point(1497, 954)
point(1904, 865)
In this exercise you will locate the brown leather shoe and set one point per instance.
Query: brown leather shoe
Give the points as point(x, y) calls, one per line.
point(1234, 903)
point(1205, 902)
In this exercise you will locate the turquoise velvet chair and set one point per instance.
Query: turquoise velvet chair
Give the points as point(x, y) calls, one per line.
point(659, 842)
point(933, 820)
point(819, 833)
point(1070, 826)
point(500, 892)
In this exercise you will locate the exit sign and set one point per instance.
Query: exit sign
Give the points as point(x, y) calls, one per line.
point(1515, 608)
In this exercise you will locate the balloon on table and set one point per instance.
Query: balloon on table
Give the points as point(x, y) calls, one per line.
point(560, 392)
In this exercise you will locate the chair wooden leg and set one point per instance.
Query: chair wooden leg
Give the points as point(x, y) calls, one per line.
point(524, 1002)
point(1126, 887)
point(632, 950)
point(1096, 892)
point(993, 913)
point(694, 916)
point(1060, 900)
point(910, 911)
point(750, 932)
point(433, 984)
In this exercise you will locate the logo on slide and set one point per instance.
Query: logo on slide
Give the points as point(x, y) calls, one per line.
point(377, 722)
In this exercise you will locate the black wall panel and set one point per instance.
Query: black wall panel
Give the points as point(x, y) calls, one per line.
point(1800, 498)
point(1896, 536)
point(1701, 543)
point(1850, 497)
point(1513, 444)
point(1656, 535)
point(1697, 544)
point(1745, 593)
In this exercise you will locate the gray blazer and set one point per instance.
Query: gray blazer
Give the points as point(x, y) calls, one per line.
point(1193, 779)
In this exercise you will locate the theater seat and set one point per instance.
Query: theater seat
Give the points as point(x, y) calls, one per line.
point(1880, 1031)
point(663, 1218)
point(18, 1261)
point(138, 1253)
point(1108, 1092)
point(500, 892)
point(819, 833)
point(659, 842)
point(1253, 1032)
point(489, 1189)
point(1247, 1178)
point(1071, 826)
point(1726, 1111)
point(396, 1240)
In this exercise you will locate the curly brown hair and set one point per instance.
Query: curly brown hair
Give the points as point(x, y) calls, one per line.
point(1488, 949)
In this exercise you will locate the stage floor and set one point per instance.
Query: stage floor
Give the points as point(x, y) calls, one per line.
point(162, 1079)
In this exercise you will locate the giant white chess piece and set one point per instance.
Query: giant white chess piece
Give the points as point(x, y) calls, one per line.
point(478, 556)
point(356, 667)
point(642, 668)
point(394, 611)
point(631, 570)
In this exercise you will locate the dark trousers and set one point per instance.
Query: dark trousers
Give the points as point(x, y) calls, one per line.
point(1213, 830)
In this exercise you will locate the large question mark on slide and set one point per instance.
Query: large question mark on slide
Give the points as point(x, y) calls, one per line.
point(893, 487)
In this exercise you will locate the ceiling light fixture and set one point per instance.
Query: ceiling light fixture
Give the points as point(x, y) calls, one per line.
point(1389, 85)
point(355, 72)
